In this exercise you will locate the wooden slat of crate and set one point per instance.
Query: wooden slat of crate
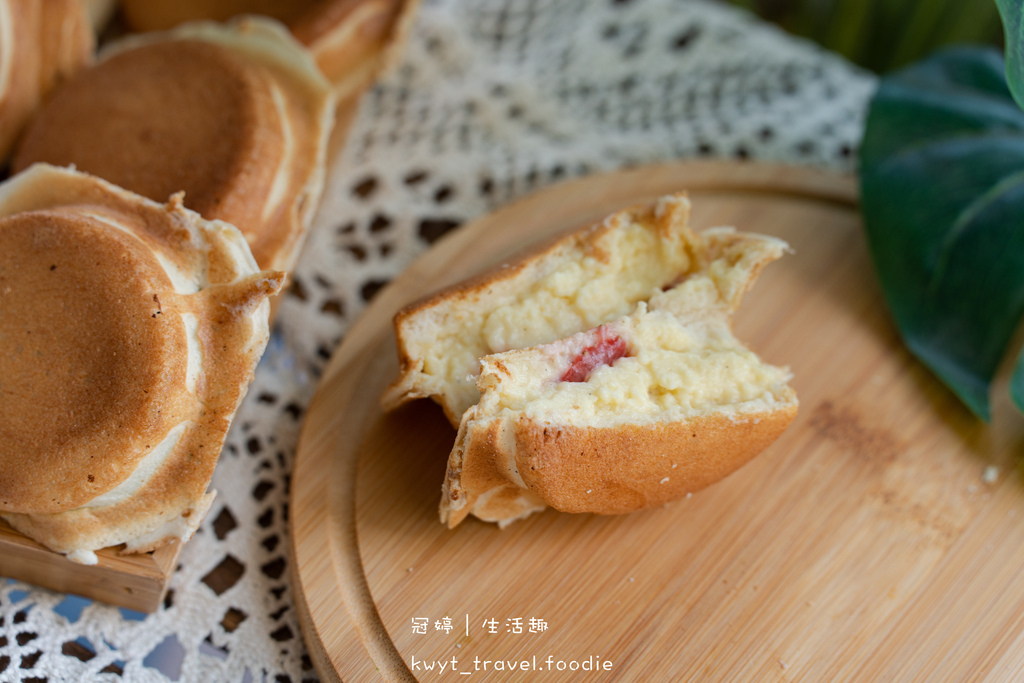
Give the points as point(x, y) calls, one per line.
point(137, 582)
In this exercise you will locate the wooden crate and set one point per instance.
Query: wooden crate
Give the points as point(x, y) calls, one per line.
point(137, 582)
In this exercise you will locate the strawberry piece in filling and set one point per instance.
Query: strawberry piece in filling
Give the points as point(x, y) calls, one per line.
point(606, 350)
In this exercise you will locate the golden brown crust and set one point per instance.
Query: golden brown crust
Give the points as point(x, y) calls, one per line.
point(138, 411)
point(610, 470)
point(614, 470)
point(41, 43)
point(89, 343)
point(206, 102)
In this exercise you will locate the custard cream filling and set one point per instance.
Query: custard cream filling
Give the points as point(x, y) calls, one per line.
point(673, 370)
point(586, 288)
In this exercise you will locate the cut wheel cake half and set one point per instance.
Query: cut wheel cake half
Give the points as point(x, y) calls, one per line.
point(600, 373)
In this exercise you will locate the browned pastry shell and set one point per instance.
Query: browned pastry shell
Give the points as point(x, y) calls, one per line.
point(611, 470)
point(130, 331)
point(237, 117)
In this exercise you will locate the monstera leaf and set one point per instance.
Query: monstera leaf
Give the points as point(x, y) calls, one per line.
point(942, 185)
point(1011, 11)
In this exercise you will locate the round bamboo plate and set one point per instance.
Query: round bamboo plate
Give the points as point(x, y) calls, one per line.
point(864, 544)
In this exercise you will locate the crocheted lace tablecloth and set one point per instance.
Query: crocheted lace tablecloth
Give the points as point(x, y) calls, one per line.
point(491, 100)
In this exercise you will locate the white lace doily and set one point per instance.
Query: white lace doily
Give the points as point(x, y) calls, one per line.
point(491, 100)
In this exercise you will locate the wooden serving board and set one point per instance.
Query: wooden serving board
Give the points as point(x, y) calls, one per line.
point(866, 544)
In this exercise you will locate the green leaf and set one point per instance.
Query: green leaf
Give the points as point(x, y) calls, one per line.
point(942, 188)
point(1011, 12)
point(1017, 383)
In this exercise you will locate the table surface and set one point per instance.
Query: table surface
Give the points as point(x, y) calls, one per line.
point(490, 101)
